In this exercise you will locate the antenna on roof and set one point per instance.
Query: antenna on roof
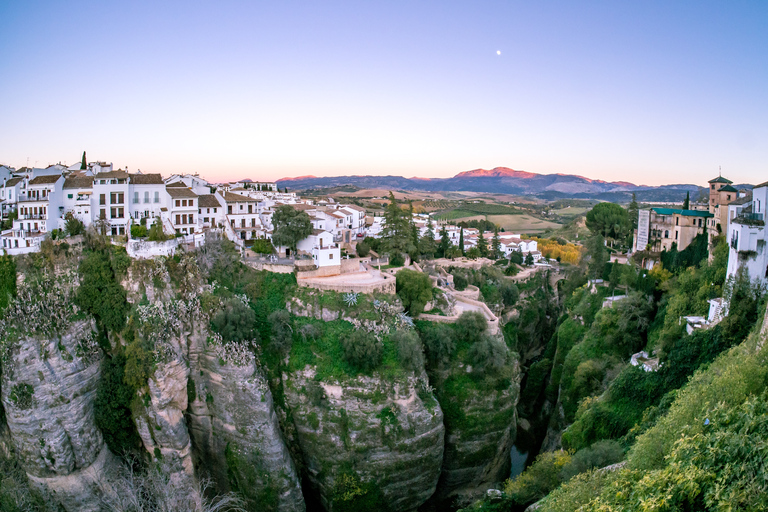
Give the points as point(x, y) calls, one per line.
point(720, 169)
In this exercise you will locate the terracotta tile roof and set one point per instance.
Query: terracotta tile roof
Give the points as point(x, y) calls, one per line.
point(176, 184)
point(208, 201)
point(13, 181)
point(112, 174)
point(45, 180)
point(146, 179)
point(237, 198)
point(78, 182)
point(176, 192)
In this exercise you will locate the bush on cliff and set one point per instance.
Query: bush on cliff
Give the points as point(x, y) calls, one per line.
point(409, 349)
point(414, 289)
point(100, 293)
point(362, 350)
point(112, 407)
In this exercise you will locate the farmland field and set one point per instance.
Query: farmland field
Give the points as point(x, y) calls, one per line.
point(573, 211)
point(523, 223)
point(458, 214)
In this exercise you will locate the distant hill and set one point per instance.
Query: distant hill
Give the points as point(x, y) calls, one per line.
point(507, 181)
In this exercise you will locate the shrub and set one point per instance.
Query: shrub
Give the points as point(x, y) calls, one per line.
point(601, 454)
point(362, 350)
point(100, 294)
point(7, 280)
point(309, 331)
point(282, 331)
point(263, 246)
point(73, 225)
point(414, 289)
point(112, 407)
point(470, 326)
point(438, 340)
point(138, 231)
point(409, 349)
point(460, 282)
point(235, 322)
point(363, 249)
point(489, 354)
point(538, 479)
point(22, 396)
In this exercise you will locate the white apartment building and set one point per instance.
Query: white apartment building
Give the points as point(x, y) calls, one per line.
point(243, 216)
point(183, 209)
point(78, 199)
point(210, 211)
point(10, 193)
point(148, 197)
point(747, 236)
point(111, 193)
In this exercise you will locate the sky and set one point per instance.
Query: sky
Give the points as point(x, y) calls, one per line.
point(651, 92)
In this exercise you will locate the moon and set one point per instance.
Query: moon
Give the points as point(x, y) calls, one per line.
point(498, 52)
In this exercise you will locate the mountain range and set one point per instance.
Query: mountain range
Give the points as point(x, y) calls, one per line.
point(504, 180)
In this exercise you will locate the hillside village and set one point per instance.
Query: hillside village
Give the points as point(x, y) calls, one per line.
point(37, 203)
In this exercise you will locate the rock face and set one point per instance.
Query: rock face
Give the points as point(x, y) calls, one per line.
point(161, 424)
point(48, 390)
point(385, 437)
point(235, 431)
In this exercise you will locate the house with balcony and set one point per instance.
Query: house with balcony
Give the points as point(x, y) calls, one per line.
point(194, 182)
point(182, 209)
point(243, 216)
point(39, 211)
point(210, 211)
point(77, 197)
point(9, 194)
point(320, 245)
point(747, 237)
point(110, 201)
point(148, 197)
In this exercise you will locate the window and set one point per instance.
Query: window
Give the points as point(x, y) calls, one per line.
point(728, 196)
point(699, 222)
point(146, 196)
point(183, 202)
point(102, 199)
point(330, 256)
point(69, 196)
point(676, 233)
point(116, 212)
point(178, 203)
point(666, 233)
point(116, 198)
point(191, 219)
point(135, 197)
point(214, 210)
point(677, 221)
point(157, 197)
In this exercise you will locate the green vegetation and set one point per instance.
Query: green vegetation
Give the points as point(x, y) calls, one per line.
point(7, 280)
point(414, 289)
point(611, 221)
point(100, 292)
point(112, 407)
point(362, 350)
point(290, 226)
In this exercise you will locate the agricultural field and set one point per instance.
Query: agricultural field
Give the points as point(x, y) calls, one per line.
point(522, 223)
point(571, 211)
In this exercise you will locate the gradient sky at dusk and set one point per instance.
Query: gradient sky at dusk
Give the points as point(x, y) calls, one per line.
point(650, 92)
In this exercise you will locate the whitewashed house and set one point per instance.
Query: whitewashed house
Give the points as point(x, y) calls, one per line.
point(182, 209)
point(148, 197)
point(747, 237)
point(110, 194)
point(78, 198)
point(320, 244)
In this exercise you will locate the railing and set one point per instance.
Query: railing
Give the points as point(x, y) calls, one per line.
point(750, 219)
point(33, 217)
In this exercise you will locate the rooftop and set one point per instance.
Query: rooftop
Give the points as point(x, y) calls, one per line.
point(45, 180)
point(720, 179)
point(684, 213)
point(78, 182)
point(728, 188)
point(237, 198)
point(13, 181)
point(146, 179)
point(177, 192)
point(112, 174)
point(208, 201)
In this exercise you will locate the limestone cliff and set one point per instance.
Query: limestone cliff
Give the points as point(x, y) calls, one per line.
point(48, 389)
point(235, 430)
point(387, 436)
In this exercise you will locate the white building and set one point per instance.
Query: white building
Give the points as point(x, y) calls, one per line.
point(243, 216)
point(182, 209)
point(320, 244)
point(210, 211)
point(10, 193)
point(747, 237)
point(148, 197)
point(110, 192)
point(78, 199)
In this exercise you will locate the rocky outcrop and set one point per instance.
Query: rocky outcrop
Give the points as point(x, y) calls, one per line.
point(48, 390)
point(481, 426)
point(161, 424)
point(385, 437)
point(234, 428)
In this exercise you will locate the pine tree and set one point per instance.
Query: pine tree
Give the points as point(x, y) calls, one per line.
point(632, 212)
point(427, 245)
point(461, 242)
point(397, 234)
point(445, 243)
point(496, 245)
point(83, 163)
point(482, 245)
point(687, 203)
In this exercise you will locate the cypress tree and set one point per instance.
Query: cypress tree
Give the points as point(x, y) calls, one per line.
point(83, 162)
point(461, 241)
point(687, 202)
point(496, 244)
point(482, 245)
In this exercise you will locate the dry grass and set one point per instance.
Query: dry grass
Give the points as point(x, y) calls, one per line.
point(522, 223)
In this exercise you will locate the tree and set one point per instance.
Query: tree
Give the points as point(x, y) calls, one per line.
point(414, 289)
point(482, 245)
point(263, 246)
point(687, 202)
point(83, 163)
point(7, 280)
point(517, 257)
point(363, 249)
point(409, 349)
point(156, 233)
point(100, 293)
point(445, 243)
point(609, 220)
point(290, 226)
point(362, 350)
point(439, 343)
point(461, 241)
point(235, 322)
point(597, 256)
point(632, 212)
point(496, 245)
point(282, 331)
point(427, 246)
point(73, 225)
point(397, 234)
point(529, 259)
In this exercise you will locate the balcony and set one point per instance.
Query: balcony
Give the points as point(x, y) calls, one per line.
point(750, 219)
point(33, 217)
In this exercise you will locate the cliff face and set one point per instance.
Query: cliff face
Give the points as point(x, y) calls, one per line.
point(381, 437)
point(48, 390)
point(235, 429)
